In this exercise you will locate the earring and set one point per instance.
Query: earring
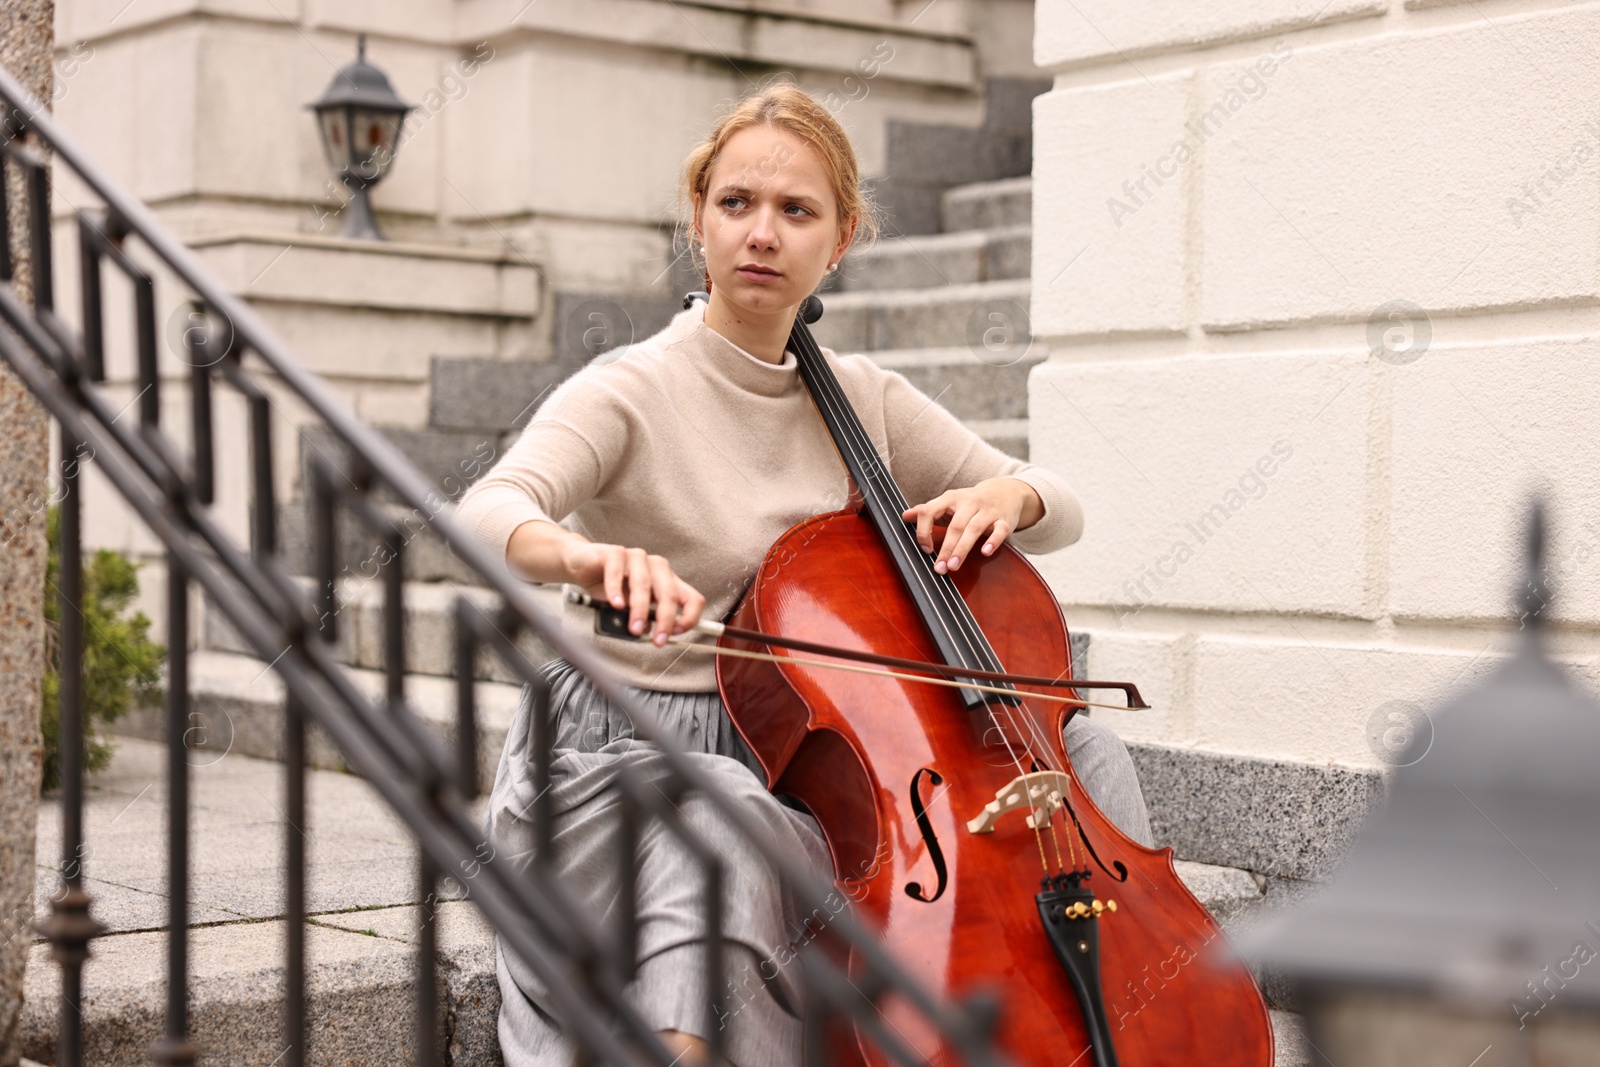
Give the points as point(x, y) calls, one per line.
point(833, 266)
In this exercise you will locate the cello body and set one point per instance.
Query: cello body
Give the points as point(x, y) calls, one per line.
point(893, 770)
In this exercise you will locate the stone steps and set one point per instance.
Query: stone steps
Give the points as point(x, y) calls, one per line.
point(362, 900)
point(988, 205)
point(361, 890)
point(1008, 435)
point(931, 260)
point(883, 319)
point(430, 627)
point(963, 292)
point(241, 710)
point(975, 387)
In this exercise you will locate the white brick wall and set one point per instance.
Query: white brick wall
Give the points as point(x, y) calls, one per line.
point(1476, 430)
point(1317, 700)
point(1205, 480)
point(1372, 245)
point(1153, 662)
point(1081, 243)
point(1085, 30)
point(1381, 168)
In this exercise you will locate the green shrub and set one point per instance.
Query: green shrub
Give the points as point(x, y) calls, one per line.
point(120, 662)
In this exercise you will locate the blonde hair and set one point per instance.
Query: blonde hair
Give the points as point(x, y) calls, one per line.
point(786, 107)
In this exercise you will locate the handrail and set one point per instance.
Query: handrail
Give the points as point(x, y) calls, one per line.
point(170, 487)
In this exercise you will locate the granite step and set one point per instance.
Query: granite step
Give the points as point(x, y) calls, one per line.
point(988, 205)
point(361, 552)
point(362, 905)
point(984, 316)
point(1008, 435)
point(361, 896)
point(430, 627)
point(922, 160)
point(237, 705)
point(974, 386)
point(933, 260)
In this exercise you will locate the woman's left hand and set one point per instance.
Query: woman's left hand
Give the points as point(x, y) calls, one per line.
point(992, 510)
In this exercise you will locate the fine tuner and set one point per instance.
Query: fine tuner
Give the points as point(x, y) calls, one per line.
point(1080, 910)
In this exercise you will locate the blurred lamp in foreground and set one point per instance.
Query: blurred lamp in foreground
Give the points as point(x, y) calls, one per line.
point(1464, 927)
point(359, 117)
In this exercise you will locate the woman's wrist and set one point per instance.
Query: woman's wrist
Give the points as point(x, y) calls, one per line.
point(1030, 506)
point(538, 551)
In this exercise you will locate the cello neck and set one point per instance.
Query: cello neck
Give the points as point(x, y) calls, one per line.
point(950, 622)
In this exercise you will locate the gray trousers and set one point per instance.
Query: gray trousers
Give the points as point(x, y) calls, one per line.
point(761, 1004)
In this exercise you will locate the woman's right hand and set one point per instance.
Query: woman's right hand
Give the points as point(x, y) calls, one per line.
point(633, 578)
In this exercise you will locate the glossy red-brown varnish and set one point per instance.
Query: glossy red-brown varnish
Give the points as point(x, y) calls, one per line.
point(849, 745)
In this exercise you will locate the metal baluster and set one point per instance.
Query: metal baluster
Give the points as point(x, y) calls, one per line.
point(394, 623)
point(543, 817)
point(175, 1050)
point(814, 1025)
point(94, 347)
point(12, 128)
point(144, 297)
point(427, 964)
point(38, 181)
point(69, 927)
point(264, 530)
point(294, 759)
point(625, 954)
point(324, 539)
point(204, 468)
point(715, 951)
point(466, 697)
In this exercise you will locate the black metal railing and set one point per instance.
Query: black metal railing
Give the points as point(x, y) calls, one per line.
point(171, 485)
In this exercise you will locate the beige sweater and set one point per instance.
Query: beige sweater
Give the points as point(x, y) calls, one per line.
point(687, 446)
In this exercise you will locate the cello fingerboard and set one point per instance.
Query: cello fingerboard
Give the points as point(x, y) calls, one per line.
point(950, 622)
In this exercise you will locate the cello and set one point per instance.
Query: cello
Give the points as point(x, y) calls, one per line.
point(954, 817)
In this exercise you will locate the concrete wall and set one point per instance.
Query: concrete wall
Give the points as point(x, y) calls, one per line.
point(1322, 290)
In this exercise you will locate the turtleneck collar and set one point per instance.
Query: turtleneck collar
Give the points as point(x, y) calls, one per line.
point(728, 359)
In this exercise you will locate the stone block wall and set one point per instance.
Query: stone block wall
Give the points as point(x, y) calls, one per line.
point(1322, 293)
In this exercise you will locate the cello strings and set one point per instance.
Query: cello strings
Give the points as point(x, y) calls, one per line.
point(933, 583)
point(1055, 838)
point(872, 466)
point(878, 483)
point(829, 395)
point(938, 586)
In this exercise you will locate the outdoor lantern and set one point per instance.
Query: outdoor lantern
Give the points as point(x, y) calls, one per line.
point(359, 117)
point(1464, 926)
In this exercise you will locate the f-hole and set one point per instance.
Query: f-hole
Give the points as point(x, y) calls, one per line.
point(935, 853)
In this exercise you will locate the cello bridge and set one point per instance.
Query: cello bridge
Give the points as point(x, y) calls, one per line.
point(1039, 792)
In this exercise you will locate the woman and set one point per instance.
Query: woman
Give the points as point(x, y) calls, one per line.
point(675, 466)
